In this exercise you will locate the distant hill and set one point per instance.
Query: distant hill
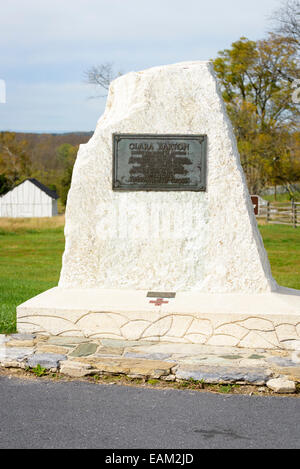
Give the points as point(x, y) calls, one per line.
point(43, 147)
point(47, 157)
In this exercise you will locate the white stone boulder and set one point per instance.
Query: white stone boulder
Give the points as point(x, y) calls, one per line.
point(210, 244)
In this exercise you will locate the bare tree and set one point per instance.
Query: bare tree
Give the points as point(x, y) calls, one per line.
point(287, 20)
point(101, 76)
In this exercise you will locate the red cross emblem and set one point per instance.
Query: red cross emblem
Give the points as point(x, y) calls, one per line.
point(158, 302)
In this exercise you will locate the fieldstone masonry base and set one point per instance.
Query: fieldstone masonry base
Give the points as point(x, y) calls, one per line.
point(78, 357)
point(266, 321)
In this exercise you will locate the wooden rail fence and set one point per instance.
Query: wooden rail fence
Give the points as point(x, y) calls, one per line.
point(284, 213)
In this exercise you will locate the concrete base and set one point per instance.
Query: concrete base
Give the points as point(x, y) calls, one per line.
point(266, 321)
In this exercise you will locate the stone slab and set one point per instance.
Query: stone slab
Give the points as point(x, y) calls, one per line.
point(84, 350)
point(49, 348)
point(219, 374)
point(22, 337)
point(21, 343)
point(118, 316)
point(281, 385)
point(149, 356)
point(109, 351)
point(76, 369)
point(15, 353)
point(46, 360)
point(137, 367)
point(66, 341)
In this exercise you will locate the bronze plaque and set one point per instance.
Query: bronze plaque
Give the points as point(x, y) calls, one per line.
point(144, 162)
point(157, 294)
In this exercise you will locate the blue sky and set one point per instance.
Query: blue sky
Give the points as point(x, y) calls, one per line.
point(45, 47)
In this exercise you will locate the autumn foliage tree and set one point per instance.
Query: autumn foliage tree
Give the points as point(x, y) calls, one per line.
point(15, 163)
point(66, 155)
point(256, 79)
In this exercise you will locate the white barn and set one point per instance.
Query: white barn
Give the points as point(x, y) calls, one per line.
point(30, 198)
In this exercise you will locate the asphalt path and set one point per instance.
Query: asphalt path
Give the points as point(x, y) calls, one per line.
point(76, 414)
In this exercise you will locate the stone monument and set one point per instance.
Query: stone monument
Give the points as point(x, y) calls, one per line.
point(161, 239)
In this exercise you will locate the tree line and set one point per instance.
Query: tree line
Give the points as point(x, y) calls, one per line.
point(261, 88)
point(47, 157)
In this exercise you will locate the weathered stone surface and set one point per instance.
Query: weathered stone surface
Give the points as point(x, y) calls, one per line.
point(179, 326)
point(257, 324)
point(178, 348)
point(128, 366)
point(295, 356)
point(3, 339)
point(294, 373)
point(281, 385)
point(233, 330)
point(196, 338)
point(235, 356)
point(255, 356)
point(84, 350)
point(292, 344)
point(157, 360)
point(291, 372)
point(246, 362)
point(99, 323)
point(223, 340)
point(10, 363)
point(125, 343)
point(22, 336)
point(20, 343)
point(57, 349)
point(109, 351)
point(76, 369)
point(177, 99)
point(200, 326)
point(220, 374)
point(278, 307)
point(214, 360)
point(134, 329)
point(21, 340)
point(148, 356)
point(46, 360)
point(282, 362)
point(169, 378)
point(67, 340)
point(158, 328)
point(255, 340)
point(14, 353)
point(286, 332)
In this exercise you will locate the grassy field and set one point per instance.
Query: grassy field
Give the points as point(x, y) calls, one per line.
point(31, 251)
point(30, 262)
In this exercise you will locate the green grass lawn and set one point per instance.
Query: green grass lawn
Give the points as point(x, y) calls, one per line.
point(30, 262)
point(283, 247)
